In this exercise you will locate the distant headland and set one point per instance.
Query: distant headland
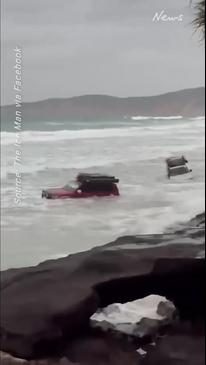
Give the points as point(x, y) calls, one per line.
point(187, 103)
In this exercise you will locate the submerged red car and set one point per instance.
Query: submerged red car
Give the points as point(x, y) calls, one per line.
point(85, 186)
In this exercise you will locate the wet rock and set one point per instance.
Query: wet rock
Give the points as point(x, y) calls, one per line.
point(45, 307)
point(6, 359)
point(167, 310)
point(102, 349)
point(176, 350)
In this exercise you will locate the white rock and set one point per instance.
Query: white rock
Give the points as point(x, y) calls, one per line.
point(142, 352)
point(139, 318)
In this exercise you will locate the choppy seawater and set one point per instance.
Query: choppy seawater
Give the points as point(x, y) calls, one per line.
point(134, 151)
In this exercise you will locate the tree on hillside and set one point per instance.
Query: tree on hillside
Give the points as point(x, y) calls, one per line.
point(199, 21)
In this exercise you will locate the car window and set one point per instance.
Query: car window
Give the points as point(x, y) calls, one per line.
point(71, 187)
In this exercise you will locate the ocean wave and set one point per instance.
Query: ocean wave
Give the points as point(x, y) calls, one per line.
point(61, 165)
point(141, 118)
point(55, 123)
point(198, 118)
point(9, 138)
point(175, 117)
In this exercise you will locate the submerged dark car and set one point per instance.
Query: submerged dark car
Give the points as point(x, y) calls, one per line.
point(177, 166)
point(85, 186)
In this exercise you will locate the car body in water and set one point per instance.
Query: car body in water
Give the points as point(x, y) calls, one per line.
point(177, 166)
point(85, 186)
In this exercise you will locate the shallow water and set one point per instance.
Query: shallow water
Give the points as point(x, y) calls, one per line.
point(134, 151)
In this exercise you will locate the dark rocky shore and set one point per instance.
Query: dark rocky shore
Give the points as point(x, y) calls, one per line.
point(45, 310)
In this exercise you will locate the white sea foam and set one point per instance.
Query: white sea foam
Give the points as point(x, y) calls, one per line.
point(64, 135)
point(201, 118)
point(140, 118)
point(8, 138)
point(175, 117)
point(148, 203)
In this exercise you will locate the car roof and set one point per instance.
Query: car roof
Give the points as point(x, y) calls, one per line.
point(96, 178)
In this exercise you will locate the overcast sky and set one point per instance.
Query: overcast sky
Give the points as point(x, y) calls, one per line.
point(74, 47)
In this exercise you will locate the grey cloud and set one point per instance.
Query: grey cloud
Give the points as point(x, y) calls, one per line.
point(74, 47)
